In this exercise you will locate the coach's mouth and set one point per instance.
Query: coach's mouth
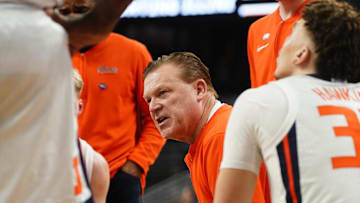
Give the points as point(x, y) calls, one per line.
point(161, 120)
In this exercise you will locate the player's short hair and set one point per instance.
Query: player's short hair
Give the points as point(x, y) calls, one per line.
point(78, 82)
point(335, 30)
point(191, 65)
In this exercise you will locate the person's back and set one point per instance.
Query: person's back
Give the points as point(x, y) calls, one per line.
point(38, 153)
point(317, 136)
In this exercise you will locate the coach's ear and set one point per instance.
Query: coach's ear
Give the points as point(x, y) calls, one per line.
point(200, 88)
point(302, 56)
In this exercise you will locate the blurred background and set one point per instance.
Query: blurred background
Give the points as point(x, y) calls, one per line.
point(216, 31)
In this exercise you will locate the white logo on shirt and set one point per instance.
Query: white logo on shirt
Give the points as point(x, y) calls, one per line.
point(266, 36)
point(262, 47)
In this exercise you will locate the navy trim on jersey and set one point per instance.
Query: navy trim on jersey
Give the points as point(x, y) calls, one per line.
point(90, 200)
point(295, 161)
point(83, 164)
point(318, 76)
point(292, 146)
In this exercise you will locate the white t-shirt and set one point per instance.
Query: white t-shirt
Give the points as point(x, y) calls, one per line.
point(39, 155)
point(307, 131)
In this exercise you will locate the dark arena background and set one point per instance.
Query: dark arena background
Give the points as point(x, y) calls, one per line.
point(216, 31)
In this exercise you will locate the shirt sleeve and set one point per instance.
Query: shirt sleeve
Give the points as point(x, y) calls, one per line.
point(240, 148)
point(149, 141)
point(255, 119)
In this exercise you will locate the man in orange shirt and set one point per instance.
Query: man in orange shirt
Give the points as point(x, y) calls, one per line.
point(115, 118)
point(183, 104)
point(266, 37)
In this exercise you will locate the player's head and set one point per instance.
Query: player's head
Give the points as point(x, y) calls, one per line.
point(335, 29)
point(78, 85)
point(327, 39)
point(176, 87)
point(71, 7)
point(78, 82)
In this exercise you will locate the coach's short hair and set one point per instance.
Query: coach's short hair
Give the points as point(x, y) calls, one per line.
point(192, 68)
point(335, 30)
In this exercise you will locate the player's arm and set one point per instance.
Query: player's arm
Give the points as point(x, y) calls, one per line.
point(235, 185)
point(95, 25)
point(100, 178)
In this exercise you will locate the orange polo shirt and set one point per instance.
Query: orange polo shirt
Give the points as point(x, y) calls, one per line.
point(265, 39)
point(205, 154)
point(115, 120)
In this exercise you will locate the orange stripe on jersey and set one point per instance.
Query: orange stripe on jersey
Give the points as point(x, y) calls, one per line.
point(78, 187)
point(289, 169)
point(289, 166)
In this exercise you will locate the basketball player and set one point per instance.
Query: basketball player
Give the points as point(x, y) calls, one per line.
point(305, 127)
point(97, 169)
point(39, 155)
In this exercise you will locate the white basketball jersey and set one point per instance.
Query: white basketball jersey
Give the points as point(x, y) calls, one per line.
point(39, 156)
point(308, 134)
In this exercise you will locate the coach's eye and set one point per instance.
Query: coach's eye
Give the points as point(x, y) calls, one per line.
point(162, 92)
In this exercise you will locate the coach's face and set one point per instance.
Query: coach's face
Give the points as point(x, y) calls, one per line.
point(71, 7)
point(173, 103)
point(296, 52)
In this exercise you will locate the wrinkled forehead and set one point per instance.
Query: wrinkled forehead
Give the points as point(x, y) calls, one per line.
point(164, 76)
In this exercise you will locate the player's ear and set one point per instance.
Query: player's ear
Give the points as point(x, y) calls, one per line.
point(200, 87)
point(302, 56)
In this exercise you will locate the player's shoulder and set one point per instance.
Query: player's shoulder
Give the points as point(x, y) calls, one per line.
point(266, 92)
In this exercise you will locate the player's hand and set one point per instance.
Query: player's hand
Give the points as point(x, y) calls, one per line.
point(132, 168)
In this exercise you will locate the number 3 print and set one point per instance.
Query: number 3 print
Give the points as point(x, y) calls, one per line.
point(352, 130)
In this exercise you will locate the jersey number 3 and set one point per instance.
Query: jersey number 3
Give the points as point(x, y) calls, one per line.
point(352, 130)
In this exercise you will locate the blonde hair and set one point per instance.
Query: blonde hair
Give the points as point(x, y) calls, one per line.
point(78, 82)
